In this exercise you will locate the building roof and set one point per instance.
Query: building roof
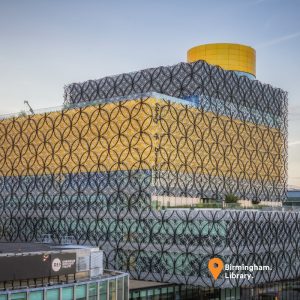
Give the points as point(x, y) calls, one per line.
point(34, 247)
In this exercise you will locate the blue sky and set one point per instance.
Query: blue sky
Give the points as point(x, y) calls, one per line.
point(45, 44)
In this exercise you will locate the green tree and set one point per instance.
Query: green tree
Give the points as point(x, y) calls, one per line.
point(231, 198)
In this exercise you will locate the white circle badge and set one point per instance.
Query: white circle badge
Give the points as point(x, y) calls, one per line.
point(56, 264)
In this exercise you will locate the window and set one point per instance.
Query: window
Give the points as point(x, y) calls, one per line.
point(103, 290)
point(93, 291)
point(67, 293)
point(37, 295)
point(112, 290)
point(126, 288)
point(120, 289)
point(81, 292)
point(18, 296)
point(53, 294)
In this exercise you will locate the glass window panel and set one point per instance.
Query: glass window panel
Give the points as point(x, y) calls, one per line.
point(53, 294)
point(103, 290)
point(67, 293)
point(120, 288)
point(143, 294)
point(19, 296)
point(135, 295)
point(37, 295)
point(112, 290)
point(3, 297)
point(126, 288)
point(93, 291)
point(81, 292)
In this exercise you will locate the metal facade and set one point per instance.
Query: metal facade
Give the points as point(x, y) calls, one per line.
point(93, 172)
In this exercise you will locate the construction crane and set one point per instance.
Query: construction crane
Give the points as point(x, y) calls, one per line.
point(29, 107)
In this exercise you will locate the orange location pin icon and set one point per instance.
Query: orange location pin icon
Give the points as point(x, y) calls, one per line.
point(215, 266)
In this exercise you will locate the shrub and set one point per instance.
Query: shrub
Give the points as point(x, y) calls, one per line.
point(255, 201)
point(231, 198)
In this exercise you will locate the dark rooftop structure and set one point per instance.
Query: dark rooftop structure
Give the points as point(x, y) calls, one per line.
point(44, 271)
point(10, 248)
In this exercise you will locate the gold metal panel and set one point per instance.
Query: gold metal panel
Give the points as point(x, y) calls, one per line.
point(140, 134)
point(202, 142)
point(227, 56)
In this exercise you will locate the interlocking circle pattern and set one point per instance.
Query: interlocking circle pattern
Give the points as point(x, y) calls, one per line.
point(95, 171)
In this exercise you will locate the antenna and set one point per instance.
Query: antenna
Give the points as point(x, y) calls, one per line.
point(30, 108)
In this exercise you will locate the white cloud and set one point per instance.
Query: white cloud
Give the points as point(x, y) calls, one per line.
point(294, 143)
point(279, 40)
